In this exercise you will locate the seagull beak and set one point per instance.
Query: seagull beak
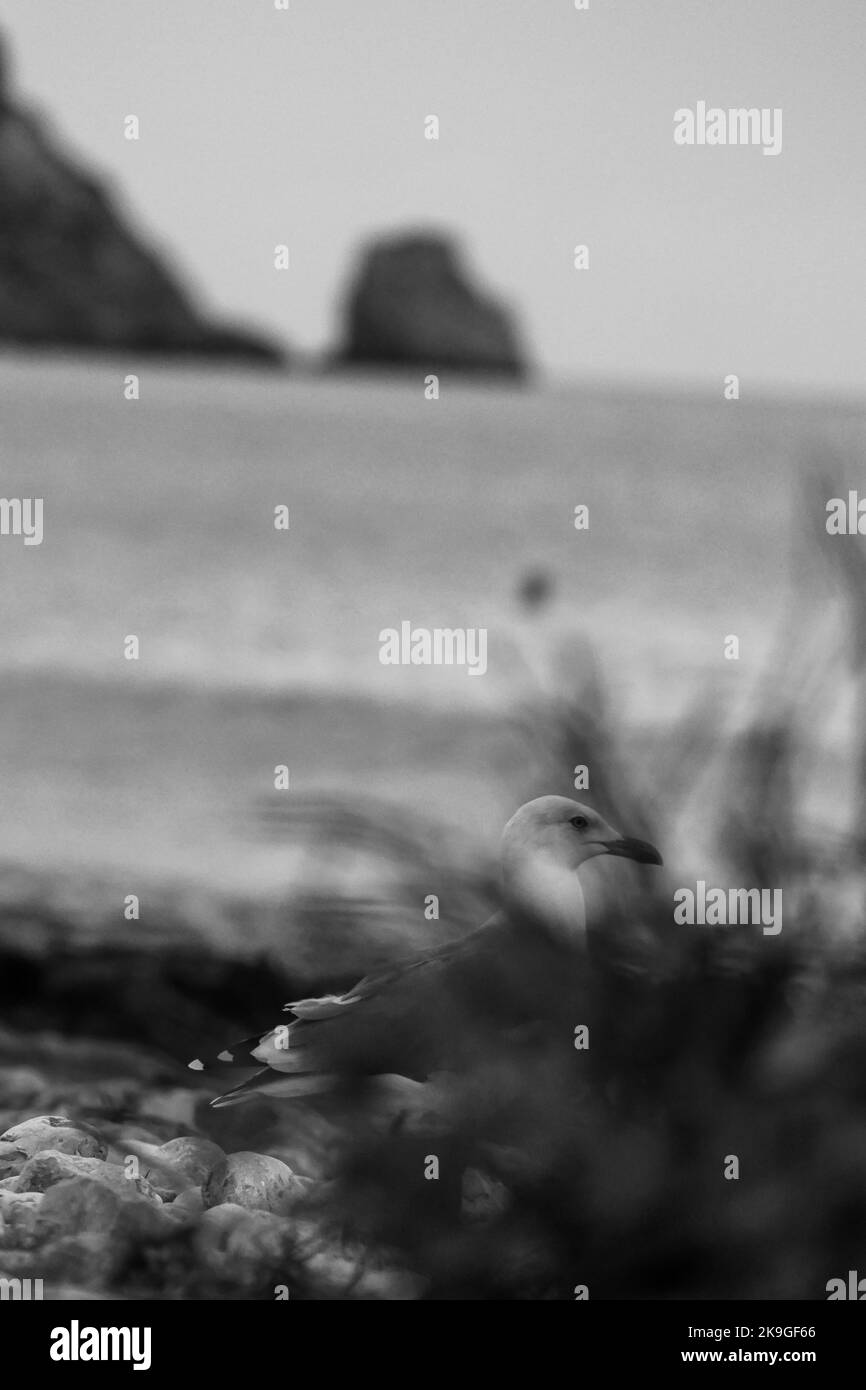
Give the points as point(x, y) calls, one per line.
point(640, 850)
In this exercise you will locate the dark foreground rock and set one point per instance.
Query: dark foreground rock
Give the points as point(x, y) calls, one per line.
point(73, 273)
point(412, 305)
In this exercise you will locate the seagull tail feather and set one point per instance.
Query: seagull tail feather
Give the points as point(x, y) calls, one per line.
point(237, 1054)
point(267, 1082)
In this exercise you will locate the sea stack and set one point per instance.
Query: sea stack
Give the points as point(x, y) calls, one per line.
point(412, 306)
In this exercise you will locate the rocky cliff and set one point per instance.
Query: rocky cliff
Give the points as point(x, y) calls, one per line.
point(73, 273)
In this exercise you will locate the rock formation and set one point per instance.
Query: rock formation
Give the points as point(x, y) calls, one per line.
point(72, 273)
point(412, 305)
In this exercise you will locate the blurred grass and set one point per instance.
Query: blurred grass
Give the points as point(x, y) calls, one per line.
point(606, 1167)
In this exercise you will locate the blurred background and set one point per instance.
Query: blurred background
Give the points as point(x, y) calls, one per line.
point(158, 168)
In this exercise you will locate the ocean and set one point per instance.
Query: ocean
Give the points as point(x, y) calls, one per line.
point(260, 647)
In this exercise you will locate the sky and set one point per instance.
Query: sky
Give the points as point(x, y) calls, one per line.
point(306, 127)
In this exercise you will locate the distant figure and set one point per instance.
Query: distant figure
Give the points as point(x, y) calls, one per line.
point(552, 658)
point(559, 687)
point(535, 588)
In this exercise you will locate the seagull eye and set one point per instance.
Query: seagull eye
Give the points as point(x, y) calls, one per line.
point(579, 822)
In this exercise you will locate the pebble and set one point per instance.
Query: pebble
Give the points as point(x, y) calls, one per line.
point(189, 1204)
point(243, 1246)
point(255, 1181)
point(87, 1259)
point(84, 1205)
point(45, 1169)
point(47, 1132)
point(19, 1215)
point(178, 1164)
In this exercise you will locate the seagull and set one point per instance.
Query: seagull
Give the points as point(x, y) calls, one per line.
point(436, 1011)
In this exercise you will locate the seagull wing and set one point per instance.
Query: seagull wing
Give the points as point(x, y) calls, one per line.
point(432, 1011)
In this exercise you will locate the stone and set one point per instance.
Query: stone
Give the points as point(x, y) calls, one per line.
point(45, 1169)
point(243, 1246)
point(54, 1132)
point(255, 1181)
point(333, 1271)
point(216, 1222)
point(85, 1204)
point(19, 1216)
point(88, 1259)
point(182, 1163)
point(79, 1205)
point(412, 305)
point(188, 1205)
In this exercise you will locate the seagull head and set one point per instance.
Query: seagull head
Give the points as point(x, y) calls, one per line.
point(543, 846)
point(567, 833)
